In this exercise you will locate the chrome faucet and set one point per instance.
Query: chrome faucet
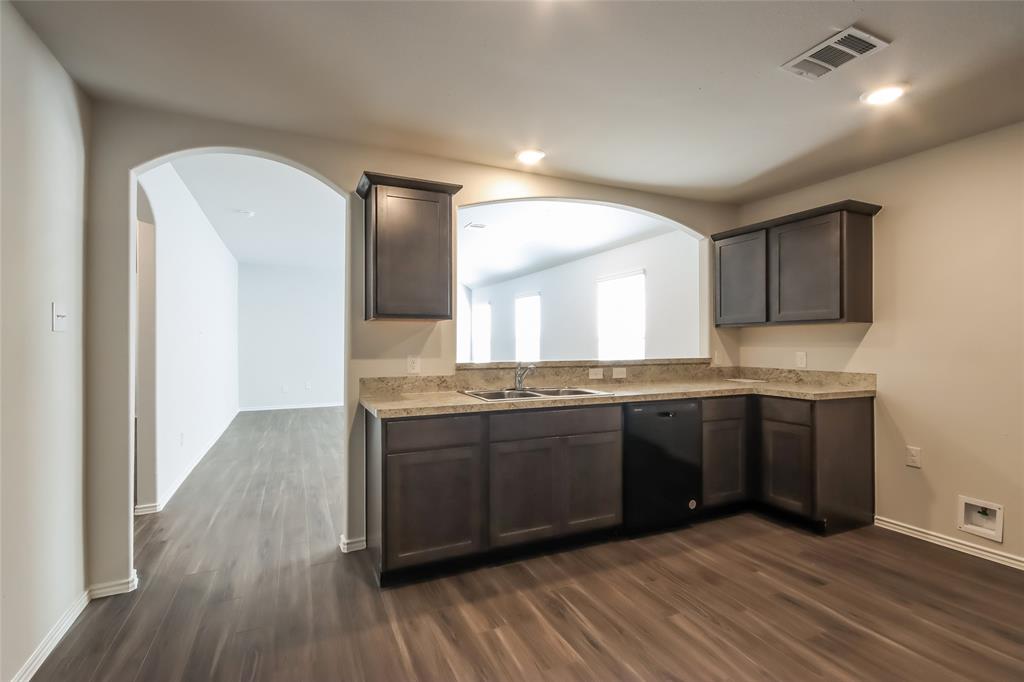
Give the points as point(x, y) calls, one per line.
point(521, 372)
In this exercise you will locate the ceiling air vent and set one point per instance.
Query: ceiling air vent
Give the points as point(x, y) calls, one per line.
point(827, 56)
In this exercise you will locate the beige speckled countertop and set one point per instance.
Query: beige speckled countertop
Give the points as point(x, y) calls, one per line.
point(409, 404)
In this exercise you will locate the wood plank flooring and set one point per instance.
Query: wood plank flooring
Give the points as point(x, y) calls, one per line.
point(241, 579)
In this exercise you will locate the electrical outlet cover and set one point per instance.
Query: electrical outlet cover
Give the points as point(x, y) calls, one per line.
point(801, 359)
point(597, 373)
point(618, 372)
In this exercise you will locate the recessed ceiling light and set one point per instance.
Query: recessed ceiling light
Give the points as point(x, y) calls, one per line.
point(246, 212)
point(530, 156)
point(883, 96)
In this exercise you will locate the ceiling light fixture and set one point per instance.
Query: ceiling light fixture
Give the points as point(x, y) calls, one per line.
point(883, 96)
point(246, 212)
point(530, 156)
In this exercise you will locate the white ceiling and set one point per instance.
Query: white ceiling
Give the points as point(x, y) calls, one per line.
point(298, 222)
point(527, 236)
point(684, 98)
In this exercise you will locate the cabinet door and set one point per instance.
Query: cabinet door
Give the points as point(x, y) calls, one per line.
point(724, 469)
point(740, 279)
point(593, 472)
point(434, 505)
point(413, 254)
point(526, 486)
point(786, 466)
point(804, 270)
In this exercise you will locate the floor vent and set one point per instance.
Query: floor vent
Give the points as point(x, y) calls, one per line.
point(829, 55)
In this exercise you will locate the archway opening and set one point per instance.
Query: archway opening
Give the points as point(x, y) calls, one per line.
point(238, 335)
point(555, 279)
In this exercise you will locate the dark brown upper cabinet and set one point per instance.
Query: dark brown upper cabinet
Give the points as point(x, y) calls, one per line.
point(408, 247)
point(740, 287)
point(812, 266)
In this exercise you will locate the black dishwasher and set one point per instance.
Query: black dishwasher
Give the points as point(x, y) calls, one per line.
point(661, 463)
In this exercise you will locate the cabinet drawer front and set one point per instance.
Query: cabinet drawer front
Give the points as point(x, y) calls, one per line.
point(786, 410)
point(436, 432)
point(548, 423)
point(714, 409)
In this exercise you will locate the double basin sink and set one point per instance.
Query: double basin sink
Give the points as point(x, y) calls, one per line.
point(511, 394)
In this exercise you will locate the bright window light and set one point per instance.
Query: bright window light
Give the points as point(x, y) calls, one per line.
point(480, 338)
point(621, 317)
point(528, 328)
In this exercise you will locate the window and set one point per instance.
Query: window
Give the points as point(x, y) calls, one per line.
point(528, 328)
point(480, 336)
point(621, 317)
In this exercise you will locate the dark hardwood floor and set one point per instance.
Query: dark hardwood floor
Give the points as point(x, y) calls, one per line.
point(241, 579)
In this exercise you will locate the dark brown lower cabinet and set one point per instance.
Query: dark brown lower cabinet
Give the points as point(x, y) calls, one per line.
point(593, 472)
point(816, 459)
point(724, 470)
point(434, 505)
point(547, 487)
point(786, 466)
point(526, 490)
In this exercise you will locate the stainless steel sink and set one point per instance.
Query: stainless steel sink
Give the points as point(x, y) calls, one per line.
point(510, 394)
point(567, 392)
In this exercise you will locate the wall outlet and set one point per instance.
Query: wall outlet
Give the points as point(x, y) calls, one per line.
point(181, 438)
point(913, 457)
point(309, 385)
point(284, 389)
point(618, 372)
point(596, 373)
point(412, 364)
point(801, 359)
point(716, 359)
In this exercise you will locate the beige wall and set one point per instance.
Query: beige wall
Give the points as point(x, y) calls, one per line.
point(41, 400)
point(125, 137)
point(947, 338)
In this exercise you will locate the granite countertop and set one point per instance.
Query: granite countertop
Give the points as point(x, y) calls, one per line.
point(395, 405)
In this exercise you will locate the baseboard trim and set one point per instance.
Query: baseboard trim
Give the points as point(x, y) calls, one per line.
point(52, 639)
point(298, 406)
point(143, 509)
point(1004, 558)
point(353, 545)
point(114, 586)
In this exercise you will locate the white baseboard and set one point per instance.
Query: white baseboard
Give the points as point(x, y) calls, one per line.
point(114, 586)
point(995, 555)
point(297, 406)
point(143, 509)
point(51, 639)
point(353, 545)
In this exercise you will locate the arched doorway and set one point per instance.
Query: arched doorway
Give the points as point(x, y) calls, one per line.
point(247, 289)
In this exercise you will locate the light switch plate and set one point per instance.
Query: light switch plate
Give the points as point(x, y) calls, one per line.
point(597, 373)
point(59, 317)
point(913, 457)
point(801, 359)
point(412, 364)
point(618, 372)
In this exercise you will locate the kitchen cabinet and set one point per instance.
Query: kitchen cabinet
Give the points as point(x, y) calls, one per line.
point(740, 282)
point(408, 247)
point(554, 473)
point(435, 505)
point(812, 266)
point(441, 488)
point(526, 486)
point(724, 467)
point(816, 459)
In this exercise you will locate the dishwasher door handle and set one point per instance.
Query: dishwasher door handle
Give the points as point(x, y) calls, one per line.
point(666, 415)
